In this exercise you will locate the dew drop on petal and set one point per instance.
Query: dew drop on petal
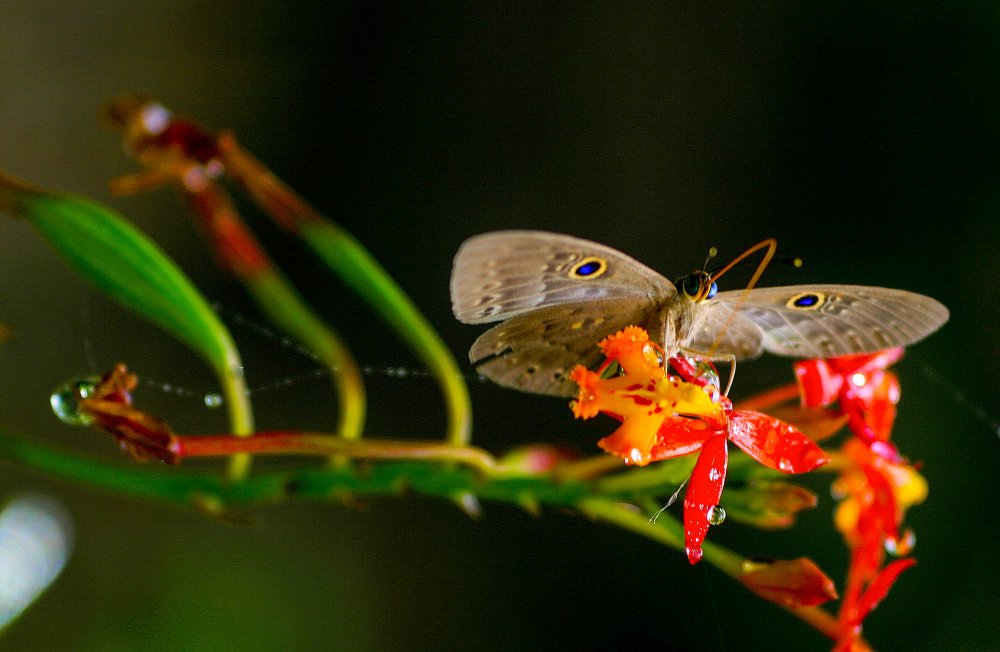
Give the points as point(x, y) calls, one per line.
point(213, 400)
point(714, 474)
point(707, 373)
point(785, 464)
point(64, 401)
point(716, 515)
point(903, 545)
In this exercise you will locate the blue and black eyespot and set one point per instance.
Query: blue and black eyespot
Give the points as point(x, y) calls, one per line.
point(806, 301)
point(588, 268)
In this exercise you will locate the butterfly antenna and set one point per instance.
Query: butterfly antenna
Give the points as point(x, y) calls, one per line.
point(772, 246)
point(712, 253)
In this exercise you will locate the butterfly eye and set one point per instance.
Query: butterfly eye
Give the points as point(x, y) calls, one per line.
point(806, 301)
point(691, 286)
point(589, 267)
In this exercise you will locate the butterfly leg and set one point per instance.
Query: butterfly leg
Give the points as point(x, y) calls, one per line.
point(731, 359)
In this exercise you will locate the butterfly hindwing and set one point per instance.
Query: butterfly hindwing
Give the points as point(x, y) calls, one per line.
point(816, 321)
point(721, 331)
point(535, 352)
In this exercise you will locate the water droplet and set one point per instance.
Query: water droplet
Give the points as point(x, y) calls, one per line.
point(714, 474)
point(707, 373)
point(785, 464)
point(64, 401)
point(716, 515)
point(903, 545)
point(469, 504)
point(213, 400)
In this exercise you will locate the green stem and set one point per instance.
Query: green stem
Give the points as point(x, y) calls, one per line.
point(237, 396)
point(286, 308)
point(349, 259)
point(359, 269)
point(665, 529)
point(431, 471)
point(668, 530)
point(285, 442)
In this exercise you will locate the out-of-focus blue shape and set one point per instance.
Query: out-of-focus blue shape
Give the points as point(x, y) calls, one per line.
point(36, 538)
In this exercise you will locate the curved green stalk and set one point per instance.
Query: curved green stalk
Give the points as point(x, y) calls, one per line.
point(349, 259)
point(286, 308)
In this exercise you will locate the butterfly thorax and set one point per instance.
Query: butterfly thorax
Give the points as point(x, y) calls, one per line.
point(674, 323)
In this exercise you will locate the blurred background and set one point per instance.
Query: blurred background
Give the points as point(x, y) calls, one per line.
point(865, 138)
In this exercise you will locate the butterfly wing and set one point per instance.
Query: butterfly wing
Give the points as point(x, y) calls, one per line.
point(814, 321)
point(535, 352)
point(506, 273)
point(720, 332)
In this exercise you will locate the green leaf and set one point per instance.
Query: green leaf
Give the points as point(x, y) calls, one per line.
point(105, 249)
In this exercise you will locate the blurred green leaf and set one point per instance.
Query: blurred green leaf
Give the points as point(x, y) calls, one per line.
point(108, 251)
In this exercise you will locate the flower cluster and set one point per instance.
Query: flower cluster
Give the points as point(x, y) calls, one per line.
point(876, 484)
point(665, 416)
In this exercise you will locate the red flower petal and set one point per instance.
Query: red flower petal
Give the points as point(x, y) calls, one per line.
point(866, 362)
point(879, 588)
point(791, 583)
point(703, 493)
point(774, 443)
point(878, 506)
point(818, 384)
point(680, 436)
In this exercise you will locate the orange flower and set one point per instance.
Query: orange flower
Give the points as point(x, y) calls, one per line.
point(664, 416)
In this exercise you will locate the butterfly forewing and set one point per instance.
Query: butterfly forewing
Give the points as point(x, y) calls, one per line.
point(816, 321)
point(505, 273)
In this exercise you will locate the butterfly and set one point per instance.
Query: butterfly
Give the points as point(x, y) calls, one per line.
point(558, 295)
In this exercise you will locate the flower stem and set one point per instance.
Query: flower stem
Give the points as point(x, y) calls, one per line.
point(352, 262)
point(769, 398)
point(313, 443)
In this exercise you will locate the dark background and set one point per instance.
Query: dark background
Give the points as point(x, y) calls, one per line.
point(867, 139)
